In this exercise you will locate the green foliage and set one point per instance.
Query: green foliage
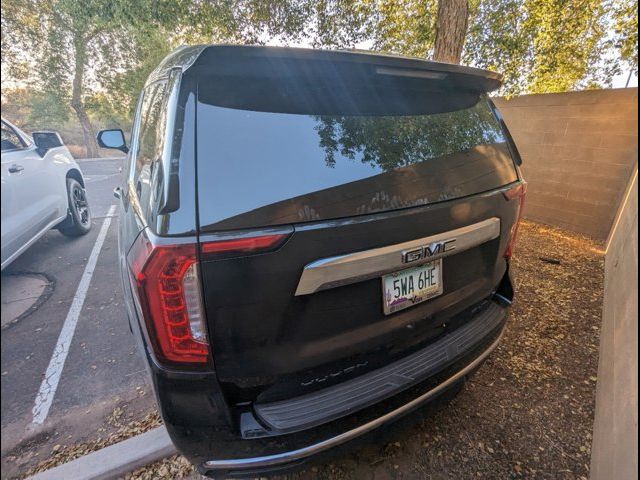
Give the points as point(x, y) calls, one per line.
point(47, 109)
point(566, 38)
point(498, 41)
point(33, 109)
point(625, 15)
point(406, 27)
point(340, 23)
point(124, 84)
point(13, 13)
point(538, 45)
point(106, 111)
point(114, 45)
point(321, 23)
point(99, 53)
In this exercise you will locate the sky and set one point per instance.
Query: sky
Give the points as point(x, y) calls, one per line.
point(620, 81)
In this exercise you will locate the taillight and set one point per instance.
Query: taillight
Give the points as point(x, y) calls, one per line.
point(517, 193)
point(244, 245)
point(168, 286)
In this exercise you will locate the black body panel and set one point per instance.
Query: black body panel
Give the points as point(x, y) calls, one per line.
point(306, 411)
point(200, 443)
point(269, 344)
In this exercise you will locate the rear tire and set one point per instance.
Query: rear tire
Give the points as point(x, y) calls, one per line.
point(80, 214)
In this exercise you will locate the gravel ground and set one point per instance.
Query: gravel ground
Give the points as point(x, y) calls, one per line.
point(115, 429)
point(528, 412)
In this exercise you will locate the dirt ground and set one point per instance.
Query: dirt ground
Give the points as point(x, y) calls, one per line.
point(528, 412)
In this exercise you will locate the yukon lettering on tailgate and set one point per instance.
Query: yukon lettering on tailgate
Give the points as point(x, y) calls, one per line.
point(334, 374)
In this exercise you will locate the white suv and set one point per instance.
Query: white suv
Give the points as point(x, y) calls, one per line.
point(42, 188)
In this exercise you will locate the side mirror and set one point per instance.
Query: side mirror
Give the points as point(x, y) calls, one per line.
point(113, 138)
point(45, 141)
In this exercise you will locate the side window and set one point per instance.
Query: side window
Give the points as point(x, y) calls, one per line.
point(150, 140)
point(135, 131)
point(10, 139)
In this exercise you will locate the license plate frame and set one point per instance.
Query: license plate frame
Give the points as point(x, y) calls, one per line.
point(412, 296)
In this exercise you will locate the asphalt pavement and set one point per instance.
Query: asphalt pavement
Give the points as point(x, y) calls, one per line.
point(102, 368)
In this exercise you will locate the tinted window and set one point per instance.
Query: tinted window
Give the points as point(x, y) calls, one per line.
point(135, 132)
point(150, 138)
point(10, 139)
point(262, 168)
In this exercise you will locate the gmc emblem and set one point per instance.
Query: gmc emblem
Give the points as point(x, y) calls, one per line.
point(426, 251)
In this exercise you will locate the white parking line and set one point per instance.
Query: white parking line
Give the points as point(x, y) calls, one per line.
point(49, 385)
point(100, 177)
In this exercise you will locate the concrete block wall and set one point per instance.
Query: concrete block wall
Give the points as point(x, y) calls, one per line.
point(615, 435)
point(578, 151)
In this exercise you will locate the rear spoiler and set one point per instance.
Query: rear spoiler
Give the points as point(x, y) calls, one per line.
point(323, 82)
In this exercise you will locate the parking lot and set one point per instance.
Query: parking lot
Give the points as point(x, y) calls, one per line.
point(101, 370)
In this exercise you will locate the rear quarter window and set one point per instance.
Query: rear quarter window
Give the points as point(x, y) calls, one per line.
point(151, 133)
point(148, 143)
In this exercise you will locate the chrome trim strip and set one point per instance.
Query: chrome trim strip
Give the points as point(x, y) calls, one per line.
point(302, 453)
point(355, 267)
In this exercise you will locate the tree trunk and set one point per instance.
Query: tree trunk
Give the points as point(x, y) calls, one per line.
point(76, 97)
point(451, 29)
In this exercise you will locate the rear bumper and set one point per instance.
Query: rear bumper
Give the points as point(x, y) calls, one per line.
point(210, 433)
point(337, 401)
point(267, 463)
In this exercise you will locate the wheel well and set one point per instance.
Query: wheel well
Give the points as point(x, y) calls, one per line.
point(76, 175)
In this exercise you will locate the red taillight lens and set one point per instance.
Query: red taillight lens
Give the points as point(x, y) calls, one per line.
point(518, 193)
point(244, 245)
point(168, 287)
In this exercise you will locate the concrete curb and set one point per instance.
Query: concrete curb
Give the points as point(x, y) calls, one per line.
point(22, 294)
point(115, 460)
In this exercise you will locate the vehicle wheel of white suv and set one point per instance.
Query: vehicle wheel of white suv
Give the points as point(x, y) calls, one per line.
point(79, 208)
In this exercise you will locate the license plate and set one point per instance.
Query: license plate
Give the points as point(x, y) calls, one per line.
point(409, 287)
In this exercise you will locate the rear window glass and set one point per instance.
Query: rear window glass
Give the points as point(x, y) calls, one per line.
point(259, 168)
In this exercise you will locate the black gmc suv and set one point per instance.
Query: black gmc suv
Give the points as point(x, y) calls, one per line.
point(312, 244)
